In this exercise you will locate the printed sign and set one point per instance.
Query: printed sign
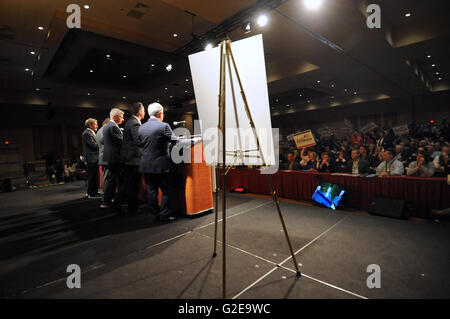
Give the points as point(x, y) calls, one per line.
point(304, 139)
point(401, 130)
point(368, 127)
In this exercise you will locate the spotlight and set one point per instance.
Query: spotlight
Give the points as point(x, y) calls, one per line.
point(32, 53)
point(124, 97)
point(440, 79)
point(318, 81)
point(262, 20)
point(41, 28)
point(124, 76)
point(187, 80)
point(27, 70)
point(247, 27)
point(169, 67)
point(433, 65)
point(89, 93)
point(209, 46)
point(408, 15)
point(429, 56)
point(175, 35)
point(91, 71)
point(37, 89)
point(313, 4)
point(86, 6)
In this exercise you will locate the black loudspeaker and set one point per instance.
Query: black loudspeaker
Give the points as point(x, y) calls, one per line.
point(395, 208)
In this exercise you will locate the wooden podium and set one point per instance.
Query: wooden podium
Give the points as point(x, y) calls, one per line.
point(191, 193)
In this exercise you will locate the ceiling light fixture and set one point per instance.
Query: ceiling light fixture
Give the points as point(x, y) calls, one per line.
point(313, 4)
point(175, 35)
point(169, 67)
point(433, 65)
point(41, 28)
point(408, 15)
point(32, 52)
point(440, 79)
point(91, 71)
point(27, 70)
point(86, 6)
point(429, 56)
point(247, 27)
point(262, 20)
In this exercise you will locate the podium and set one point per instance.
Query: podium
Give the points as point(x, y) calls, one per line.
point(191, 192)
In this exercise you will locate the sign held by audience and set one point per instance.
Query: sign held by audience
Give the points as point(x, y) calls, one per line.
point(401, 130)
point(304, 139)
point(368, 127)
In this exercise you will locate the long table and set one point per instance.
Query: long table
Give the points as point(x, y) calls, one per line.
point(424, 194)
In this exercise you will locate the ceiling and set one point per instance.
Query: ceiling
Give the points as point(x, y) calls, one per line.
point(314, 59)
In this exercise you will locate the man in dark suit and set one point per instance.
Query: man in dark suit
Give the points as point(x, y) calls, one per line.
point(101, 162)
point(357, 165)
point(131, 156)
point(155, 163)
point(112, 140)
point(90, 150)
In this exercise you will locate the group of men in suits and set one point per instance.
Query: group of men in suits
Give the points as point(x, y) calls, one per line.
point(125, 154)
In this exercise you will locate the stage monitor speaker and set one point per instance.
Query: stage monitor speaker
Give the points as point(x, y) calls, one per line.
point(395, 208)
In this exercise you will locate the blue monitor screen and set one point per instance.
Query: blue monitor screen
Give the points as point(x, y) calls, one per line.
point(328, 194)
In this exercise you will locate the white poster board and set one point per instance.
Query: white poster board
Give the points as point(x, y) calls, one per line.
point(250, 62)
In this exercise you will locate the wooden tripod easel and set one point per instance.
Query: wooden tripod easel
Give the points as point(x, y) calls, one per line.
point(227, 58)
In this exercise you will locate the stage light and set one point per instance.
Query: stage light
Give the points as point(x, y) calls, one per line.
point(433, 65)
point(408, 15)
point(175, 35)
point(124, 97)
point(332, 85)
point(313, 4)
point(169, 67)
point(318, 81)
point(37, 89)
point(187, 80)
point(124, 76)
point(152, 65)
point(41, 28)
point(355, 93)
point(247, 27)
point(437, 73)
point(165, 89)
point(429, 56)
point(262, 20)
point(32, 52)
point(440, 79)
point(89, 93)
point(86, 6)
point(91, 71)
point(209, 46)
point(27, 70)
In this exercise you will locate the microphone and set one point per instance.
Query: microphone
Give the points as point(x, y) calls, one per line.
point(178, 123)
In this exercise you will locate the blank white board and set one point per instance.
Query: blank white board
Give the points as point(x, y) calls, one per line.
point(250, 62)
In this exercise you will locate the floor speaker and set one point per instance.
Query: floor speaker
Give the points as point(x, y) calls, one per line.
point(395, 208)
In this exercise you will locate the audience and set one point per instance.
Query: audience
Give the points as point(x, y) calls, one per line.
point(423, 152)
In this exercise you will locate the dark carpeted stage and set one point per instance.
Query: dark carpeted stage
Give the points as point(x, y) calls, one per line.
point(44, 230)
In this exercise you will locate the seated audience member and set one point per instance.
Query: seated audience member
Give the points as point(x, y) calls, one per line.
point(357, 165)
point(420, 167)
point(340, 163)
point(389, 166)
point(441, 163)
point(436, 150)
point(69, 171)
point(291, 163)
point(324, 164)
point(312, 162)
point(304, 158)
point(398, 152)
point(363, 153)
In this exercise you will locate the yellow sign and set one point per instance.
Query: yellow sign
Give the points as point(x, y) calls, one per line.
point(304, 139)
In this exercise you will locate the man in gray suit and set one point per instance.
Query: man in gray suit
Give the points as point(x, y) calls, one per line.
point(101, 162)
point(112, 140)
point(90, 150)
point(131, 156)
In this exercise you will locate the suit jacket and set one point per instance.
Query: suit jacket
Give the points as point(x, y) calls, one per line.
point(101, 147)
point(155, 137)
point(363, 166)
point(90, 146)
point(112, 140)
point(131, 146)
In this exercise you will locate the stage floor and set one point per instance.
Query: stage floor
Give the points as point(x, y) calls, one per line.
point(42, 231)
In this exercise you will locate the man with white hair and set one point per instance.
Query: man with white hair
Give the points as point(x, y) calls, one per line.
point(112, 141)
point(155, 163)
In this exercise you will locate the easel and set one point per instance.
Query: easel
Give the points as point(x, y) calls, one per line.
point(227, 58)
